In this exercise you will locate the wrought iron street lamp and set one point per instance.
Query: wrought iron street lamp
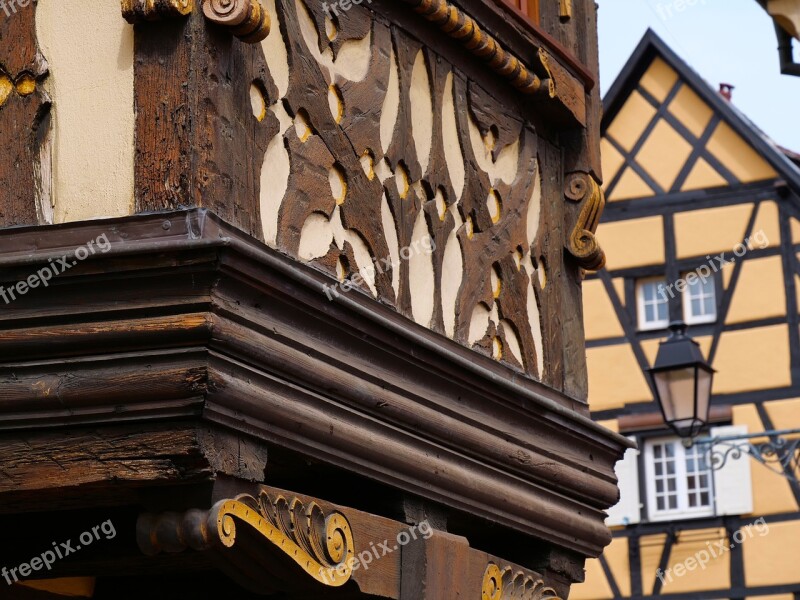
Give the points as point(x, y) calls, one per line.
point(682, 382)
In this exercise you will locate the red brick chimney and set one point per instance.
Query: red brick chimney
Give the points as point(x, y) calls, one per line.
point(726, 90)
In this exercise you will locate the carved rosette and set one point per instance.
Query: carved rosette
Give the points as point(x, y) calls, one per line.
point(582, 243)
point(506, 583)
point(138, 11)
point(320, 544)
point(246, 19)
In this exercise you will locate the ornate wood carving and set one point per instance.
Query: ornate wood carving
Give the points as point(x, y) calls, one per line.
point(458, 25)
point(582, 243)
point(24, 121)
point(246, 19)
point(137, 11)
point(249, 531)
point(419, 150)
point(506, 584)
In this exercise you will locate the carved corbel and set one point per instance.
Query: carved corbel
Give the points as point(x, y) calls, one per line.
point(258, 533)
point(506, 583)
point(138, 11)
point(246, 19)
point(582, 243)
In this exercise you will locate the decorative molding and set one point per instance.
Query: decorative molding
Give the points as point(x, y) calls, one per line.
point(247, 19)
point(460, 26)
point(582, 242)
point(321, 545)
point(506, 583)
point(138, 11)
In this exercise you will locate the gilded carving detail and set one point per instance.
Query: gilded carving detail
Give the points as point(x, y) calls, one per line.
point(137, 11)
point(460, 26)
point(507, 583)
point(582, 243)
point(318, 543)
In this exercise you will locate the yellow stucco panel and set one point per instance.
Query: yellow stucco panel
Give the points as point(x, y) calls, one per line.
point(595, 587)
point(631, 121)
point(738, 156)
point(785, 414)
point(752, 359)
point(611, 160)
point(685, 574)
point(633, 243)
point(772, 597)
point(703, 176)
point(772, 558)
point(664, 154)
point(650, 549)
point(616, 555)
point(610, 424)
point(795, 225)
point(691, 111)
point(600, 319)
point(615, 377)
point(659, 79)
point(630, 186)
point(767, 228)
point(711, 230)
point(771, 493)
point(760, 292)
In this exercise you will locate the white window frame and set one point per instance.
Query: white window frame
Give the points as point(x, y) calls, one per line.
point(688, 317)
point(643, 323)
point(683, 511)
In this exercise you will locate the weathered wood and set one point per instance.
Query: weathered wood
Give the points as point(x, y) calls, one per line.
point(24, 120)
point(198, 142)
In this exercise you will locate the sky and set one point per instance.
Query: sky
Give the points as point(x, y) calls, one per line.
point(725, 41)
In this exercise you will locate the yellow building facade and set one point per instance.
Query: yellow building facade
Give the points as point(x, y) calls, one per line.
point(702, 225)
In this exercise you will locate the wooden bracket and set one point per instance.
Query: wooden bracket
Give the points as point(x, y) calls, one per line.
point(582, 243)
point(246, 19)
point(502, 583)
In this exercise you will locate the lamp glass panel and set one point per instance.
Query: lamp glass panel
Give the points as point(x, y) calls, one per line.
point(676, 389)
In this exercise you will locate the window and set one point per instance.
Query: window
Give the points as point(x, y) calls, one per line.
point(653, 304)
point(678, 484)
point(700, 301)
point(679, 480)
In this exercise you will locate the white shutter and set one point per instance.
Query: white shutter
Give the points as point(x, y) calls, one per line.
point(628, 510)
point(733, 490)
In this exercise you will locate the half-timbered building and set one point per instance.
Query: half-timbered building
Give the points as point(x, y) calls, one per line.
point(702, 226)
point(290, 299)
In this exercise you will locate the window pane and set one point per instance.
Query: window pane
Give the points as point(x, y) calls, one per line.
point(660, 503)
point(673, 502)
point(657, 450)
point(672, 484)
point(663, 311)
point(710, 305)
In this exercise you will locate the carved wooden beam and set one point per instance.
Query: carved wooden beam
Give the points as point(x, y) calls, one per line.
point(137, 11)
point(247, 532)
point(460, 26)
point(545, 78)
point(246, 19)
point(582, 243)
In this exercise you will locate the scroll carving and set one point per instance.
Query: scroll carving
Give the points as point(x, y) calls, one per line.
point(246, 19)
point(582, 242)
point(506, 583)
point(319, 544)
point(137, 11)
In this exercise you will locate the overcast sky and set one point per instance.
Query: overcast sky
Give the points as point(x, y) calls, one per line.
point(730, 41)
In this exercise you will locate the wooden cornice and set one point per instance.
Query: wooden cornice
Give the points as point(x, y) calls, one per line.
point(186, 316)
point(549, 73)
